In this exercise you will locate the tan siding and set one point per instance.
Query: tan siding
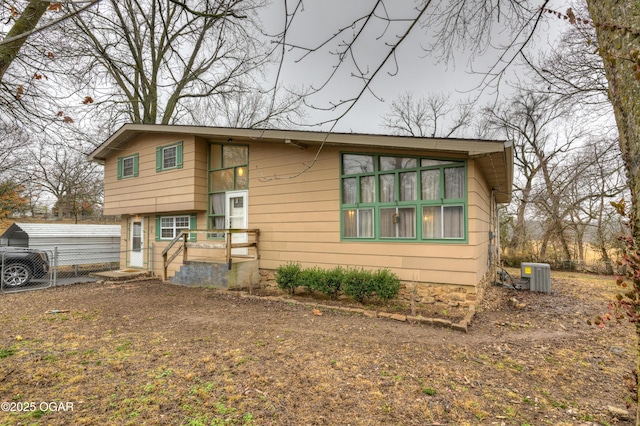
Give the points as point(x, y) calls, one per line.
point(151, 191)
point(299, 218)
point(481, 214)
point(299, 221)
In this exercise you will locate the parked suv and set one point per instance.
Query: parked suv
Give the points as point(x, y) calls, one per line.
point(19, 266)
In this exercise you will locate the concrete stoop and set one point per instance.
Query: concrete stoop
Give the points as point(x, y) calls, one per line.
point(243, 274)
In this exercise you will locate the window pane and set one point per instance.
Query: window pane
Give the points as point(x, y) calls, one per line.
point(349, 223)
point(408, 187)
point(182, 222)
point(167, 233)
point(398, 223)
point(387, 188)
point(431, 184)
point(349, 191)
point(136, 238)
point(216, 223)
point(394, 163)
point(406, 222)
point(166, 222)
point(365, 223)
point(453, 222)
point(242, 178)
point(387, 227)
point(367, 189)
point(454, 182)
point(216, 203)
point(222, 180)
point(432, 222)
point(234, 155)
point(357, 223)
point(169, 157)
point(426, 162)
point(353, 164)
point(215, 156)
point(127, 167)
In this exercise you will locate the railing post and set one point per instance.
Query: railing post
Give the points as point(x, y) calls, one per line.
point(227, 238)
point(185, 237)
point(257, 234)
point(164, 266)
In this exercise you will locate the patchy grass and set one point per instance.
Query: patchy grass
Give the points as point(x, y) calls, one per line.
point(153, 353)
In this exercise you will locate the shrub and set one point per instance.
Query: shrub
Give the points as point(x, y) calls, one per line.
point(362, 284)
point(386, 284)
point(358, 283)
point(310, 277)
point(329, 282)
point(288, 276)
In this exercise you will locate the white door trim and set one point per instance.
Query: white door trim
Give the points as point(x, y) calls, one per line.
point(136, 242)
point(237, 217)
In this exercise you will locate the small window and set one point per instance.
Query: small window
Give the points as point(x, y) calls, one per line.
point(169, 157)
point(169, 227)
point(128, 166)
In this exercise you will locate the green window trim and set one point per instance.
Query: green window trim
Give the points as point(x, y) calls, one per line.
point(192, 226)
point(228, 171)
point(122, 167)
point(160, 156)
point(385, 197)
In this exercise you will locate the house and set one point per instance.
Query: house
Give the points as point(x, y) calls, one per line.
point(426, 208)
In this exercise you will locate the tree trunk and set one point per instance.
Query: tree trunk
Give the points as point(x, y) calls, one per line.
point(616, 25)
point(25, 23)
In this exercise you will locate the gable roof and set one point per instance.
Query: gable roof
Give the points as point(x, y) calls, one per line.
point(494, 157)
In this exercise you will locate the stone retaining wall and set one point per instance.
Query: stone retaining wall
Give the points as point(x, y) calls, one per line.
point(425, 293)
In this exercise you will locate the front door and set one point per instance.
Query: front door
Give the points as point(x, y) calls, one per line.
point(237, 218)
point(136, 256)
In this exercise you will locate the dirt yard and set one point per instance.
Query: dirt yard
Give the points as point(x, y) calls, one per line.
point(152, 353)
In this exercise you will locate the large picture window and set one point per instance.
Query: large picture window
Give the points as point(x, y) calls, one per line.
point(405, 198)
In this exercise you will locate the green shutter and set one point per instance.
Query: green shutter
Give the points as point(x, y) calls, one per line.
point(159, 159)
point(193, 224)
point(157, 228)
point(179, 155)
point(135, 165)
point(119, 168)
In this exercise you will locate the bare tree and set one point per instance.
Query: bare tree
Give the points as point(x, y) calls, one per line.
point(147, 61)
point(27, 94)
point(572, 70)
point(13, 144)
point(529, 121)
point(432, 116)
point(68, 177)
point(248, 108)
point(597, 182)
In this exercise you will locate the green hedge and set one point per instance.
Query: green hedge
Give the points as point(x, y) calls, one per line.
point(360, 284)
point(288, 276)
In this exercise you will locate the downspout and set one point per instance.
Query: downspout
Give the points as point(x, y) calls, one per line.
point(497, 230)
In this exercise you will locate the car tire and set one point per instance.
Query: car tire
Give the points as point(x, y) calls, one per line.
point(15, 275)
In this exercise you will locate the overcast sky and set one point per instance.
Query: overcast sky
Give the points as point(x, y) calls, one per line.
point(416, 71)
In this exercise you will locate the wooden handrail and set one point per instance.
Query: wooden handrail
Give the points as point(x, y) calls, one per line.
point(228, 245)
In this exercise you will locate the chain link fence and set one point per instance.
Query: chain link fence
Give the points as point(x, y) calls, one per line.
point(24, 269)
point(30, 269)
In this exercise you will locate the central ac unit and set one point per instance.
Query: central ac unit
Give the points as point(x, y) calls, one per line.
point(536, 276)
